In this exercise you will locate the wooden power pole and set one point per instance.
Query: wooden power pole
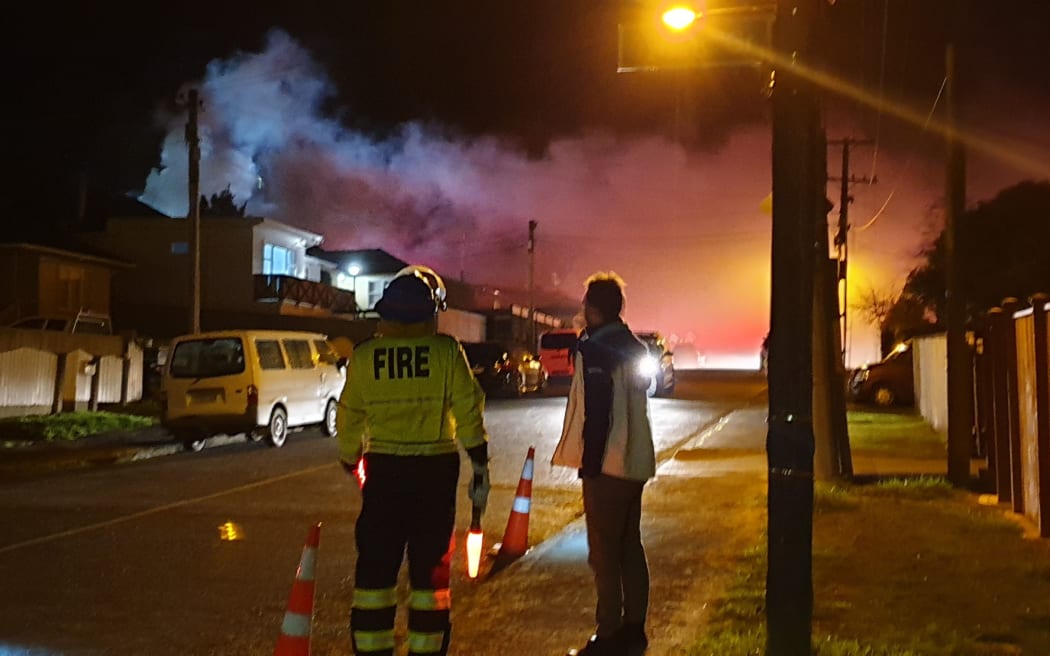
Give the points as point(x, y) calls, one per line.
point(193, 214)
point(960, 367)
point(532, 285)
point(799, 178)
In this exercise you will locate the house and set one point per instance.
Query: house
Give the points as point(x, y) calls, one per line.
point(368, 272)
point(42, 281)
point(255, 273)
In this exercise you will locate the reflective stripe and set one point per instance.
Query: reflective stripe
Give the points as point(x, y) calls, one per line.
point(307, 565)
point(373, 640)
point(296, 625)
point(425, 643)
point(522, 505)
point(430, 599)
point(375, 599)
point(526, 472)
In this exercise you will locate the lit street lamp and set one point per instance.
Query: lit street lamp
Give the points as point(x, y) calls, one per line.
point(353, 270)
point(679, 18)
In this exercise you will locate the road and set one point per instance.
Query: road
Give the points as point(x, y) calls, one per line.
point(128, 559)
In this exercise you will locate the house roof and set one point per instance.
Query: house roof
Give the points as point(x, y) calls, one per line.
point(80, 256)
point(372, 261)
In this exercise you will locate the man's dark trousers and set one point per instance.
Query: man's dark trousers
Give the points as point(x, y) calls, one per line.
point(614, 508)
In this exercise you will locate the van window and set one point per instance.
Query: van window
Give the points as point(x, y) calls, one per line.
point(206, 358)
point(325, 353)
point(270, 356)
point(92, 327)
point(558, 341)
point(299, 354)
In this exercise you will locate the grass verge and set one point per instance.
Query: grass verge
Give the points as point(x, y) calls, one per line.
point(902, 567)
point(68, 426)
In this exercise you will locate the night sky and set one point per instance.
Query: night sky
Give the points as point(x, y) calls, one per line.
point(438, 129)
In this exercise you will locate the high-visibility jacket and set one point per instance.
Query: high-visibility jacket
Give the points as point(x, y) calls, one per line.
point(410, 396)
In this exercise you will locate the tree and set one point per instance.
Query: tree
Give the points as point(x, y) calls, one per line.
point(898, 315)
point(1002, 251)
point(222, 204)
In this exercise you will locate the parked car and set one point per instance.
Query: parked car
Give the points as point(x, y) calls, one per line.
point(247, 381)
point(83, 323)
point(885, 383)
point(558, 353)
point(505, 371)
point(658, 364)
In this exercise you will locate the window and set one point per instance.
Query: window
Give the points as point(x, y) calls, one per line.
point(278, 260)
point(375, 292)
point(325, 353)
point(270, 356)
point(179, 248)
point(207, 358)
point(299, 354)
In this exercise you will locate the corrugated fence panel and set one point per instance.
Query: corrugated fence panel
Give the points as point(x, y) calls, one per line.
point(27, 377)
point(1026, 402)
point(135, 372)
point(111, 372)
point(930, 370)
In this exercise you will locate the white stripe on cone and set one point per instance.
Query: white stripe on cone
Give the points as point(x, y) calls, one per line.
point(526, 473)
point(296, 625)
point(522, 505)
point(307, 565)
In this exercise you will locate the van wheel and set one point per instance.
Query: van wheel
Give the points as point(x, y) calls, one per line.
point(277, 429)
point(331, 411)
point(884, 396)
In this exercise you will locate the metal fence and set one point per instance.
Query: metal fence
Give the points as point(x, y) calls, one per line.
point(43, 372)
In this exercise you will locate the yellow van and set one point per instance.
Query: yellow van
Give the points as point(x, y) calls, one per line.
point(258, 382)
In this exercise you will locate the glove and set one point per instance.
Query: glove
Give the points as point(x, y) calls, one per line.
point(478, 491)
point(355, 469)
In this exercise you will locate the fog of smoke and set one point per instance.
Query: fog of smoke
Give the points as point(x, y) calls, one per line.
point(684, 229)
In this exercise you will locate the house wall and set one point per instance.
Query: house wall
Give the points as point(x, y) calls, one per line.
point(18, 285)
point(67, 286)
point(464, 326)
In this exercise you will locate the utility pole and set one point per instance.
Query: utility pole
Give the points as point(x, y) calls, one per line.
point(193, 214)
point(842, 235)
point(532, 285)
point(799, 178)
point(960, 370)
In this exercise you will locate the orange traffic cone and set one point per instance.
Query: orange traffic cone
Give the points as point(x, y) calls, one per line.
point(295, 629)
point(516, 537)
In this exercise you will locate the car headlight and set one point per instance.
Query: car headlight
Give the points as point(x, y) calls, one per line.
point(648, 366)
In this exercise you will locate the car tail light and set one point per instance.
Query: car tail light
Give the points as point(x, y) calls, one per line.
point(253, 395)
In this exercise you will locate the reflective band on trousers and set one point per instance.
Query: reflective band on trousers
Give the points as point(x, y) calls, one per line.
point(425, 643)
point(430, 599)
point(373, 640)
point(522, 505)
point(366, 599)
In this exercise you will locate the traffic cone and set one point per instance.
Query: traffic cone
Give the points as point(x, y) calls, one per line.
point(295, 629)
point(516, 537)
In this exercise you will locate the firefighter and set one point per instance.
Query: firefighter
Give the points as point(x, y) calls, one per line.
point(409, 398)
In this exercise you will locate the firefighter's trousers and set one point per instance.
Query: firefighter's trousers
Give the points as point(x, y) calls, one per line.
point(407, 502)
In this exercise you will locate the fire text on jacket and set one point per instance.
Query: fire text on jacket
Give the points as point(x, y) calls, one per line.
point(401, 362)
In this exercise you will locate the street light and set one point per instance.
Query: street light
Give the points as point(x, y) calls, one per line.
point(679, 18)
point(353, 270)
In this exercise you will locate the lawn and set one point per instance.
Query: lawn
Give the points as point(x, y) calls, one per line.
point(903, 568)
point(68, 426)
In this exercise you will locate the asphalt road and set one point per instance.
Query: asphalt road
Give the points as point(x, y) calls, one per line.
point(129, 559)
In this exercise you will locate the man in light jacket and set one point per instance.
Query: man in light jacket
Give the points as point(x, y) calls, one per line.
point(608, 438)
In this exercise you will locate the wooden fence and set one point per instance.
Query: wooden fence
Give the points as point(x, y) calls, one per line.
point(43, 372)
point(1013, 405)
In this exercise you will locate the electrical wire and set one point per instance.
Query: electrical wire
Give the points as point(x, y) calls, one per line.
point(907, 163)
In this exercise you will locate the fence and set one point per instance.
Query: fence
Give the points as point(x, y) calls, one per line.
point(44, 372)
point(930, 374)
point(1013, 405)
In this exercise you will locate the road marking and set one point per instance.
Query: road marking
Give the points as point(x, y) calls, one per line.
point(159, 509)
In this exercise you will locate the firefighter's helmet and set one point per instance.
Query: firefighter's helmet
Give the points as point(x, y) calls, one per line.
point(415, 294)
